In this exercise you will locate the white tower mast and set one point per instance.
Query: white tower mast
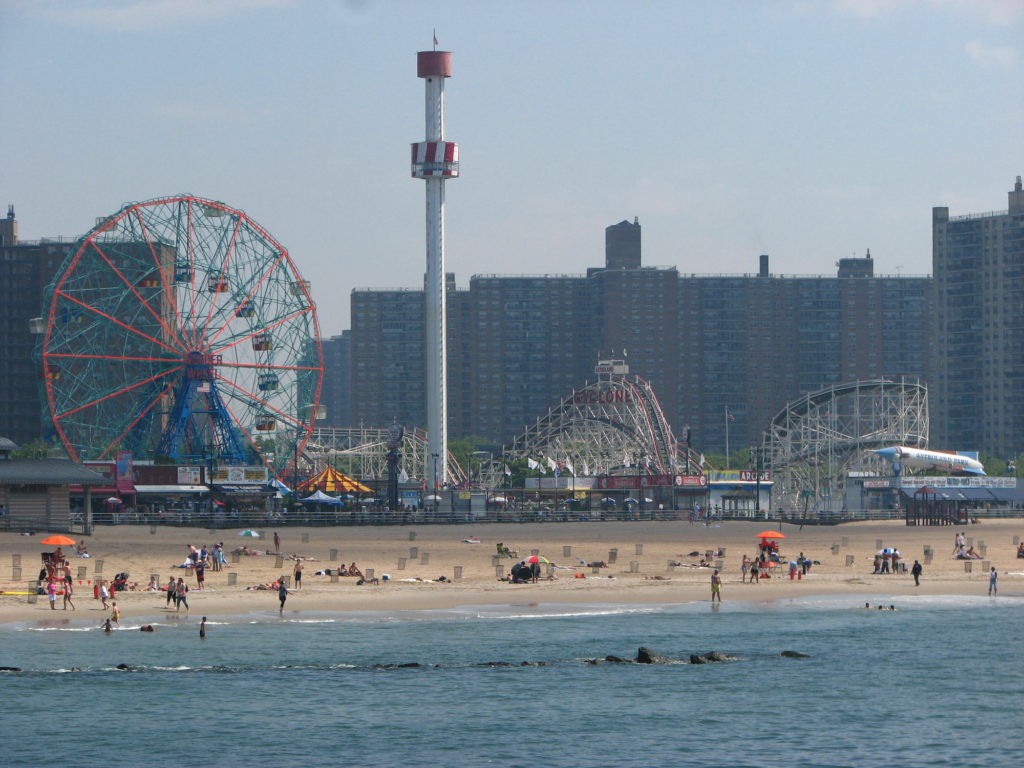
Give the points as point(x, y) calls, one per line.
point(435, 160)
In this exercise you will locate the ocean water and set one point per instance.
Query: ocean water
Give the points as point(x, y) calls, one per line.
point(939, 682)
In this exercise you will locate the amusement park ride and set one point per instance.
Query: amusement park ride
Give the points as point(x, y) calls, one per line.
point(180, 328)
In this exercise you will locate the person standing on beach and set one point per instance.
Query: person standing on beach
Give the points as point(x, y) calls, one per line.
point(277, 542)
point(200, 570)
point(755, 571)
point(993, 588)
point(170, 592)
point(104, 593)
point(181, 595)
point(51, 593)
point(716, 586)
point(202, 627)
point(745, 567)
point(282, 595)
point(67, 596)
point(916, 573)
point(115, 613)
point(298, 574)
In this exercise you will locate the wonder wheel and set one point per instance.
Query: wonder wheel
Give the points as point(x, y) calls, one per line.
point(180, 328)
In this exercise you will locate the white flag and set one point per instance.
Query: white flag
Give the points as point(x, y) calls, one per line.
point(586, 469)
point(702, 459)
point(404, 477)
point(532, 464)
point(570, 467)
point(508, 471)
point(625, 460)
point(551, 462)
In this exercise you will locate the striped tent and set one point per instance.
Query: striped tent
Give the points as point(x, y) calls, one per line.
point(333, 481)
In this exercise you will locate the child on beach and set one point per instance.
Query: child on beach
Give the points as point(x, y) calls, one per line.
point(115, 613)
point(51, 594)
point(67, 597)
point(104, 594)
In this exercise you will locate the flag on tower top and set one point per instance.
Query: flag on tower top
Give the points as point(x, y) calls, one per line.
point(435, 39)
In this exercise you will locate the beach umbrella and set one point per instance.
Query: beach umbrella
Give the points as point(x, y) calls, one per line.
point(59, 541)
point(630, 500)
point(249, 532)
point(770, 535)
point(537, 559)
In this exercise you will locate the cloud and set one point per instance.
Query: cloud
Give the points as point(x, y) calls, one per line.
point(140, 15)
point(991, 55)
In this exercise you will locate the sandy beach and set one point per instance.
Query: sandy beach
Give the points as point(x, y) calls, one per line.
point(640, 573)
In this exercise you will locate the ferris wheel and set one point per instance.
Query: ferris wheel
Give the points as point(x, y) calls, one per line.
point(179, 328)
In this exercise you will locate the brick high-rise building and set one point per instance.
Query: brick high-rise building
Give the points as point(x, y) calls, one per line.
point(26, 268)
point(978, 391)
point(709, 344)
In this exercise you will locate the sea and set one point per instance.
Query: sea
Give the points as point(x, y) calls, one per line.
point(937, 682)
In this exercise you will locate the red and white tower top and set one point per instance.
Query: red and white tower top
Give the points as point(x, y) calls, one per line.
point(435, 156)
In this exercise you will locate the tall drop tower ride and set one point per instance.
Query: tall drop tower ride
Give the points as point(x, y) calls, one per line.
point(435, 161)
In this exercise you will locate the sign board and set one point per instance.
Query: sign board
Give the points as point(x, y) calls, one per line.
point(240, 475)
point(123, 473)
point(690, 481)
point(751, 475)
point(189, 475)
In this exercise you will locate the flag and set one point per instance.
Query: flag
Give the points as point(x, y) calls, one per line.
point(404, 477)
point(570, 467)
point(702, 459)
point(204, 387)
point(435, 39)
point(625, 460)
point(508, 471)
point(586, 469)
point(551, 462)
point(729, 415)
point(532, 464)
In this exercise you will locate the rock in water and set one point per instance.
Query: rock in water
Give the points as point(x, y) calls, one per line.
point(710, 658)
point(646, 656)
point(795, 655)
point(617, 660)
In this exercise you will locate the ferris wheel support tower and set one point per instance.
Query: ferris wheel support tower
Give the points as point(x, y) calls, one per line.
point(435, 161)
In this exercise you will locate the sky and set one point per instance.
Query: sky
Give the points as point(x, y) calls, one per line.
point(809, 130)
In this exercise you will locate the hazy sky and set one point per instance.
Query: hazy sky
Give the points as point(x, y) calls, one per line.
point(808, 130)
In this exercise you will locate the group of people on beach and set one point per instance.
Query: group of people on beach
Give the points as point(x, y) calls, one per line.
point(177, 591)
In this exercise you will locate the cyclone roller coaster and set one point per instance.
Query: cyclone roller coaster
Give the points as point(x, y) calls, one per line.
point(816, 441)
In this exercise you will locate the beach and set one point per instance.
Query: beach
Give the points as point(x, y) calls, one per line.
point(640, 574)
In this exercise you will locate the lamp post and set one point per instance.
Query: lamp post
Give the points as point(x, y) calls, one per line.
point(641, 457)
point(437, 496)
